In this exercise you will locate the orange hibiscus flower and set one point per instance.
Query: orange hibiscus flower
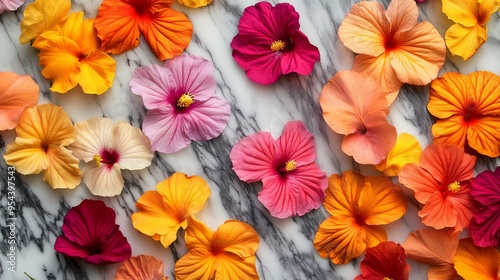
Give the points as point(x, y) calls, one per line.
point(441, 183)
point(467, 110)
point(119, 24)
point(473, 262)
point(359, 206)
point(227, 253)
point(392, 47)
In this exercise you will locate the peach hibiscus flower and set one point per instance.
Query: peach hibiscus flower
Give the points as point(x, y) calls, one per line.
point(442, 183)
point(142, 267)
point(17, 93)
point(392, 47)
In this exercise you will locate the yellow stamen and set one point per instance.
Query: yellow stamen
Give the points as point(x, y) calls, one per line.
point(454, 187)
point(185, 100)
point(97, 159)
point(278, 45)
point(290, 165)
point(388, 278)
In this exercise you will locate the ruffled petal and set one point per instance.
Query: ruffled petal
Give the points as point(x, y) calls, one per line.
point(464, 205)
point(406, 150)
point(253, 157)
point(301, 58)
point(364, 28)
point(17, 93)
point(483, 135)
point(342, 193)
point(117, 25)
point(484, 227)
point(92, 136)
point(419, 55)
point(60, 61)
point(465, 41)
point(380, 201)
point(236, 238)
point(464, 12)
point(195, 3)
point(380, 69)
point(402, 15)
point(198, 237)
point(48, 123)
point(132, 146)
point(166, 130)
point(116, 249)
point(420, 181)
point(42, 15)
point(142, 267)
point(154, 84)
point(296, 143)
point(473, 262)
point(63, 171)
point(438, 212)
point(27, 156)
point(81, 32)
point(485, 187)
point(449, 94)
point(207, 119)
point(97, 72)
point(448, 163)
point(104, 180)
point(168, 32)
point(486, 9)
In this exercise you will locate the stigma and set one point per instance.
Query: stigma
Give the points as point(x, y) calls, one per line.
point(278, 46)
point(185, 100)
point(454, 187)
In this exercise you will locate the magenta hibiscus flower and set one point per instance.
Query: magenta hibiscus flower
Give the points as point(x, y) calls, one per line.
point(181, 102)
point(269, 43)
point(292, 183)
point(89, 233)
point(484, 227)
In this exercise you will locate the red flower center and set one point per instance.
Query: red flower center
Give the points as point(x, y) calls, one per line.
point(110, 156)
point(470, 112)
point(390, 44)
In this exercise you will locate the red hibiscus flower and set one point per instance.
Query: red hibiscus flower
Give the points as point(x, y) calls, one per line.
point(269, 43)
point(90, 233)
point(387, 260)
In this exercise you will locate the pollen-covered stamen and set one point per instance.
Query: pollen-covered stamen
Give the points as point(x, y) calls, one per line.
point(278, 46)
point(388, 278)
point(290, 165)
point(185, 100)
point(98, 160)
point(454, 187)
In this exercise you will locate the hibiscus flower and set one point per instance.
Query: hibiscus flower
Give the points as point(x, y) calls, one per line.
point(441, 182)
point(270, 44)
point(142, 267)
point(359, 207)
point(107, 147)
point(387, 260)
point(119, 24)
point(469, 32)
point(484, 227)
point(161, 213)
point(467, 111)
point(292, 182)
point(473, 262)
point(392, 47)
point(17, 93)
point(89, 232)
point(10, 5)
point(359, 111)
point(227, 253)
point(181, 102)
point(43, 133)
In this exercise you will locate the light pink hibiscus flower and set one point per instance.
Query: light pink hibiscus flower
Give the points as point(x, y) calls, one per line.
point(292, 182)
point(181, 102)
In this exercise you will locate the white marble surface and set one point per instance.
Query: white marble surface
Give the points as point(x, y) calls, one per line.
point(286, 250)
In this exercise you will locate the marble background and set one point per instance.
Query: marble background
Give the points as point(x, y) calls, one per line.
point(286, 250)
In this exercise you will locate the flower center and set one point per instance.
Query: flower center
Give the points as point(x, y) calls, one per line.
point(185, 100)
point(388, 278)
point(290, 165)
point(106, 156)
point(454, 187)
point(278, 46)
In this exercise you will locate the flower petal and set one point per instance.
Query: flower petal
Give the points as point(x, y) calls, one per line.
point(380, 201)
point(450, 131)
point(473, 262)
point(104, 180)
point(486, 10)
point(198, 237)
point(142, 267)
point(17, 93)
point(485, 187)
point(485, 91)
point(236, 238)
point(207, 119)
point(60, 63)
point(27, 156)
point(420, 181)
point(449, 93)
point(92, 136)
point(81, 32)
point(195, 3)
point(253, 157)
point(387, 260)
point(435, 248)
point(42, 15)
point(464, 12)
point(484, 227)
point(117, 25)
point(167, 33)
point(48, 123)
point(342, 193)
point(380, 69)
point(363, 29)
point(153, 83)
point(419, 55)
point(465, 41)
point(438, 212)
point(132, 146)
point(233, 267)
point(406, 150)
point(279, 197)
point(302, 58)
point(166, 130)
point(296, 143)
point(97, 72)
point(115, 250)
point(195, 266)
point(402, 15)
point(484, 136)
point(63, 171)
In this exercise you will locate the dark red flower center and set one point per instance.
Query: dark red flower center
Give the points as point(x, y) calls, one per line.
point(140, 6)
point(470, 112)
point(107, 156)
point(390, 44)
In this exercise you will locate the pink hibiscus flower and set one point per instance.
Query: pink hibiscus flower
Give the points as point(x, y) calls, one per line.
point(181, 102)
point(10, 5)
point(269, 43)
point(89, 233)
point(484, 227)
point(292, 183)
